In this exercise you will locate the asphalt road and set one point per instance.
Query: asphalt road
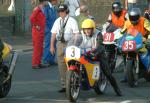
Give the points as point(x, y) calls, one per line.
point(41, 86)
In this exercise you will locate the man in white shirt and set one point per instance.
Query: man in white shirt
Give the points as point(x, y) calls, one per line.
point(72, 5)
point(64, 28)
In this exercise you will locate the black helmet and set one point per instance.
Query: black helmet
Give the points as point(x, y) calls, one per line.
point(62, 8)
point(147, 14)
point(116, 8)
point(134, 15)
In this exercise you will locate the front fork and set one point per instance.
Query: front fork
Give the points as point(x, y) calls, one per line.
point(12, 65)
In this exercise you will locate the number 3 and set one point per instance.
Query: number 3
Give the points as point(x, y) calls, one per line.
point(73, 52)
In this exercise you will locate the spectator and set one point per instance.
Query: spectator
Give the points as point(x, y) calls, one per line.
point(84, 14)
point(129, 4)
point(38, 21)
point(51, 15)
point(64, 28)
point(72, 5)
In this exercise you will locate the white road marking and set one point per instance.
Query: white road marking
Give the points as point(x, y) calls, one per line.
point(34, 82)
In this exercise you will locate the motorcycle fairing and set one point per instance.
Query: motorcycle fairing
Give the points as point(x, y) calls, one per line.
point(126, 37)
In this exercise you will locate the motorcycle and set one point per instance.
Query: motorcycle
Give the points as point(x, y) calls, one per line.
point(82, 74)
point(130, 45)
point(110, 36)
point(7, 69)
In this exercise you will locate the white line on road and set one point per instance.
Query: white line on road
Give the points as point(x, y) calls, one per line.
point(56, 100)
point(35, 82)
point(37, 99)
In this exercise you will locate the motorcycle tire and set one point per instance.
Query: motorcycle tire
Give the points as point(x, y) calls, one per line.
point(4, 87)
point(130, 69)
point(72, 85)
point(101, 85)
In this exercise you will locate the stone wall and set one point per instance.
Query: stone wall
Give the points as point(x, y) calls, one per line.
point(7, 25)
point(5, 2)
point(7, 20)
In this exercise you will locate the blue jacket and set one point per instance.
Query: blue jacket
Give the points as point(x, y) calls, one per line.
point(51, 15)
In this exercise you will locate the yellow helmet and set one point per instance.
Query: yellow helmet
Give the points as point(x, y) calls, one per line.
point(88, 23)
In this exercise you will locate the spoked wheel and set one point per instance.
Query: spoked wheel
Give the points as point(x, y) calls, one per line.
point(101, 85)
point(4, 87)
point(72, 85)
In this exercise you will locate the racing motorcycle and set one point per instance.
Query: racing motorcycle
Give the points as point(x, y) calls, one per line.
point(137, 61)
point(82, 74)
point(6, 69)
point(110, 37)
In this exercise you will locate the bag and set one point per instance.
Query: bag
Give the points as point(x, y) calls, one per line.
point(62, 30)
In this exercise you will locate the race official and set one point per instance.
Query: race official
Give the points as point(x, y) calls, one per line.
point(64, 28)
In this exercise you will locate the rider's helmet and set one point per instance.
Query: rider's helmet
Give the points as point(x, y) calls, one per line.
point(88, 23)
point(147, 14)
point(116, 8)
point(134, 15)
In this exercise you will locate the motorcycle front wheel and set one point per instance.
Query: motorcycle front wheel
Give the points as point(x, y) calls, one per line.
point(72, 85)
point(4, 87)
point(130, 68)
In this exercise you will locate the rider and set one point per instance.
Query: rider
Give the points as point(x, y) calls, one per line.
point(117, 17)
point(136, 21)
point(115, 20)
point(92, 38)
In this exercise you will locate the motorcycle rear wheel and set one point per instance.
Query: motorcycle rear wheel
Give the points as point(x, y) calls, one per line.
point(72, 85)
point(4, 87)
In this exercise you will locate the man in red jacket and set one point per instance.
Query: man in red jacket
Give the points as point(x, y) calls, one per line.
point(38, 21)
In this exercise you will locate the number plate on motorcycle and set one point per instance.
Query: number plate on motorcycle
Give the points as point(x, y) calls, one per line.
point(96, 73)
point(73, 52)
point(129, 46)
point(108, 37)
